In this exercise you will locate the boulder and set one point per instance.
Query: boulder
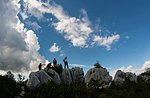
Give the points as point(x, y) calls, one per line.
point(54, 75)
point(131, 76)
point(121, 76)
point(38, 78)
point(77, 74)
point(43, 76)
point(66, 76)
point(33, 81)
point(98, 77)
point(145, 76)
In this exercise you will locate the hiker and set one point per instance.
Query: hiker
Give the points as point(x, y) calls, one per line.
point(65, 62)
point(40, 66)
point(49, 66)
point(54, 62)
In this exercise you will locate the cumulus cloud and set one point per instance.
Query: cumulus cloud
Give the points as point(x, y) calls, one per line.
point(132, 69)
point(76, 30)
point(54, 48)
point(18, 46)
point(106, 41)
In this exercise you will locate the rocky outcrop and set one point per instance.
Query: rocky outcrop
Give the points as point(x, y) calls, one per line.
point(77, 74)
point(121, 76)
point(98, 77)
point(38, 78)
point(66, 76)
point(54, 75)
point(145, 76)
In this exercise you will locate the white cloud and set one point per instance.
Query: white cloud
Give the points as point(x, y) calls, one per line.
point(79, 65)
point(54, 48)
point(132, 69)
point(34, 25)
point(76, 30)
point(18, 46)
point(85, 67)
point(24, 16)
point(106, 41)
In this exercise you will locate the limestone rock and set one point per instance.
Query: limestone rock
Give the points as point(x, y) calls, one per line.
point(33, 82)
point(120, 77)
point(38, 78)
point(145, 76)
point(98, 77)
point(54, 75)
point(66, 76)
point(77, 74)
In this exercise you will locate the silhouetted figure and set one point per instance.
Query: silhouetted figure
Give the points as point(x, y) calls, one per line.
point(54, 62)
point(65, 62)
point(49, 66)
point(40, 66)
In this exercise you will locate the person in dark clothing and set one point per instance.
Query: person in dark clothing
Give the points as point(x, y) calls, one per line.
point(48, 66)
point(54, 62)
point(65, 62)
point(40, 66)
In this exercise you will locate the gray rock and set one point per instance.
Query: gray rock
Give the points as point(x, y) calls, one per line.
point(66, 76)
point(98, 77)
point(33, 81)
point(53, 74)
point(131, 76)
point(77, 74)
point(146, 78)
point(120, 77)
point(38, 78)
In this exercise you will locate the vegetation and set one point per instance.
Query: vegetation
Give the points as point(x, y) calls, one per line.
point(127, 90)
point(7, 87)
point(10, 88)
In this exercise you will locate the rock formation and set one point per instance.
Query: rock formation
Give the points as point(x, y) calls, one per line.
point(77, 74)
point(38, 78)
point(54, 75)
point(66, 76)
point(98, 77)
point(120, 77)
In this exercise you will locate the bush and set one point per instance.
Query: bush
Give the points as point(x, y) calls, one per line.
point(7, 87)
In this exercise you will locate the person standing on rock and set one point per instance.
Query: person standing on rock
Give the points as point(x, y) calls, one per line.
point(40, 66)
point(54, 62)
point(65, 62)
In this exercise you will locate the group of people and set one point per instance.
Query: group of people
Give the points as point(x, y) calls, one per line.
point(49, 65)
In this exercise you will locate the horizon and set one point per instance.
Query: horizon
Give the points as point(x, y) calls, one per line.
point(116, 34)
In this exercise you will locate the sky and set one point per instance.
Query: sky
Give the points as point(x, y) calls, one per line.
point(114, 33)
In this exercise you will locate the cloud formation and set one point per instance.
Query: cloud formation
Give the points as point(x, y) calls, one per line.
point(76, 30)
point(54, 48)
point(34, 25)
point(106, 41)
point(18, 46)
point(132, 69)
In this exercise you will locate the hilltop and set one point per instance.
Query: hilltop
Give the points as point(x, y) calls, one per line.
point(67, 83)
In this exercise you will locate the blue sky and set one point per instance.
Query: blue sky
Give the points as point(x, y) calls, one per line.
point(129, 19)
point(114, 32)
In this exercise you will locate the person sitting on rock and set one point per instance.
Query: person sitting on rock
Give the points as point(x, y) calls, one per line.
point(40, 66)
point(49, 66)
point(54, 62)
point(65, 62)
